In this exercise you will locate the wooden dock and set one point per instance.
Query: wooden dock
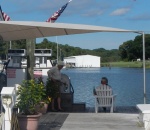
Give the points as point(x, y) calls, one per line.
point(124, 118)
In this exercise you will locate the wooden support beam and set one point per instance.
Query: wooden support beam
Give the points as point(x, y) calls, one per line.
point(30, 45)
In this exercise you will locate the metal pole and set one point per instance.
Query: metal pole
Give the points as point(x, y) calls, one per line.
point(57, 49)
point(144, 68)
point(10, 45)
point(60, 54)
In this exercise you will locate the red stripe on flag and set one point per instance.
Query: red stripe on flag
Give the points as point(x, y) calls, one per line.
point(5, 16)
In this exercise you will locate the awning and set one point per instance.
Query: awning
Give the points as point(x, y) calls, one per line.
point(16, 30)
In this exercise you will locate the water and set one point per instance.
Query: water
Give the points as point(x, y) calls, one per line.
point(127, 83)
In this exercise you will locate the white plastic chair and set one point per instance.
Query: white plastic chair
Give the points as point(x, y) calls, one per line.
point(104, 98)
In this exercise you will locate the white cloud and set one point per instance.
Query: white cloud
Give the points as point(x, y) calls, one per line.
point(121, 11)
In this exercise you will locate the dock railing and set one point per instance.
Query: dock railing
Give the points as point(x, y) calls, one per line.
point(8, 119)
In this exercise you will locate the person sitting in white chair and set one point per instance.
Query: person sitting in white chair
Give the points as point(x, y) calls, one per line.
point(103, 90)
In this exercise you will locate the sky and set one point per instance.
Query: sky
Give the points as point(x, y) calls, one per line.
point(123, 14)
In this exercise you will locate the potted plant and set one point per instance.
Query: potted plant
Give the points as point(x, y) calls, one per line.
point(30, 94)
point(43, 105)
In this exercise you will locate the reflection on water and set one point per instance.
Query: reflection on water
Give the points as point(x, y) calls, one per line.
point(127, 83)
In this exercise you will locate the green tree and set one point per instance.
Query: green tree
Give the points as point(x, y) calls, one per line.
point(131, 50)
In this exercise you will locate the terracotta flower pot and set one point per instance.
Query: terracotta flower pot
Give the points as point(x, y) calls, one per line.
point(28, 122)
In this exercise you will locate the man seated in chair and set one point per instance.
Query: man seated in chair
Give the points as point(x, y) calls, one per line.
point(103, 86)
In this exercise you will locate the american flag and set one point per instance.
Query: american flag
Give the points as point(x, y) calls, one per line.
point(3, 16)
point(55, 16)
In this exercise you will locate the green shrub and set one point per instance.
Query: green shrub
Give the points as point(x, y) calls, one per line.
point(30, 94)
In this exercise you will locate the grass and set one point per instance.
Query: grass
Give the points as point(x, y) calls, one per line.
point(134, 64)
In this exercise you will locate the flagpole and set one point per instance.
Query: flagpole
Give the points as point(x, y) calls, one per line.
point(54, 17)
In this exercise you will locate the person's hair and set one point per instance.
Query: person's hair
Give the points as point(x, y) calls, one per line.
point(104, 80)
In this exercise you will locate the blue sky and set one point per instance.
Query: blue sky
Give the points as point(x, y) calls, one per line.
point(124, 14)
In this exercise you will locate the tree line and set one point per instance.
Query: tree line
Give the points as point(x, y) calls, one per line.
point(133, 49)
point(128, 51)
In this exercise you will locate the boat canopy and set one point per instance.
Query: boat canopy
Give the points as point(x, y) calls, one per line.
point(16, 30)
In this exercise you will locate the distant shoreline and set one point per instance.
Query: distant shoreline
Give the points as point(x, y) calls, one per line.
point(133, 64)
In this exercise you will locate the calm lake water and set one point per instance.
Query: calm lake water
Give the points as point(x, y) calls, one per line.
point(127, 83)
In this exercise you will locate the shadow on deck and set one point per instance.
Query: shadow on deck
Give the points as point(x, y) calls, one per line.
point(52, 121)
